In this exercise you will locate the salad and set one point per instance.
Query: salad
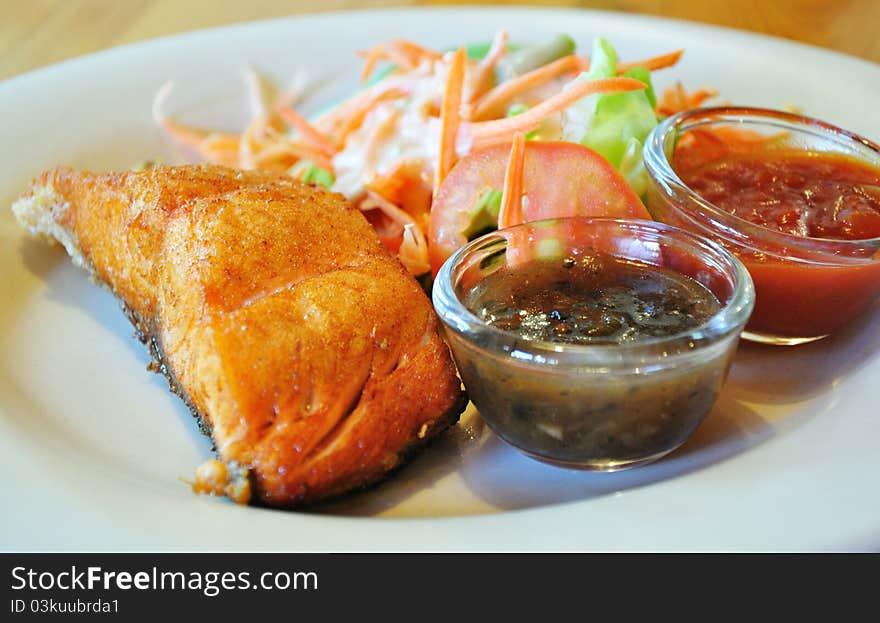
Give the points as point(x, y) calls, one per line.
point(437, 148)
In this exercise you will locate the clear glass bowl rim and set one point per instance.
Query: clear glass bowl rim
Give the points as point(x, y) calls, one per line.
point(729, 319)
point(734, 228)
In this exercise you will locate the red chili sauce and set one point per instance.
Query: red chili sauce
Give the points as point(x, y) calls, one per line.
point(801, 193)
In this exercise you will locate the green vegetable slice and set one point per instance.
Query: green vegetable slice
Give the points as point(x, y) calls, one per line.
point(484, 217)
point(309, 173)
point(614, 125)
point(531, 57)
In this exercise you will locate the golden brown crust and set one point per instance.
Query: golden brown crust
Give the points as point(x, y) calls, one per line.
point(312, 354)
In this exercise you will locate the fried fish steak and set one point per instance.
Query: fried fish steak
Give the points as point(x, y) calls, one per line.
point(310, 353)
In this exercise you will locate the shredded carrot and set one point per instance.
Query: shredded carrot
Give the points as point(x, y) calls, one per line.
point(389, 232)
point(188, 135)
point(225, 158)
point(399, 56)
point(406, 55)
point(390, 210)
point(298, 150)
point(654, 63)
point(363, 100)
point(381, 130)
point(529, 120)
point(276, 157)
point(681, 95)
point(215, 147)
point(450, 117)
point(309, 132)
point(249, 144)
point(405, 184)
point(701, 95)
point(510, 212)
point(371, 58)
point(388, 51)
point(220, 148)
point(492, 104)
point(676, 99)
point(487, 142)
point(418, 50)
point(220, 140)
point(389, 184)
point(483, 74)
point(191, 137)
point(413, 248)
point(413, 252)
point(344, 120)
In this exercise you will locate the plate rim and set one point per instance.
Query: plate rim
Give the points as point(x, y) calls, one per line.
point(210, 31)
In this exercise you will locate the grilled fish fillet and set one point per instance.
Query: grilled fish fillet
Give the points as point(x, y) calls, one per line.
point(310, 353)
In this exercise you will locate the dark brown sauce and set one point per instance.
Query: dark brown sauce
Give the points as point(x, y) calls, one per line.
point(596, 298)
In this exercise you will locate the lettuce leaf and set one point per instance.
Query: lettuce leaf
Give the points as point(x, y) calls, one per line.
point(308, 172)
point(614, 125)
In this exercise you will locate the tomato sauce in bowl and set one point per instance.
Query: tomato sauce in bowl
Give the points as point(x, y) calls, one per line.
point(797, 192)
point(797, 200)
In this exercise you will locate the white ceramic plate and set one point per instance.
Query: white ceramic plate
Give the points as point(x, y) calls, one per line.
point(92, 446)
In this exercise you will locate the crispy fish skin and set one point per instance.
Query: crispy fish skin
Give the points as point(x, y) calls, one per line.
point(310, 352)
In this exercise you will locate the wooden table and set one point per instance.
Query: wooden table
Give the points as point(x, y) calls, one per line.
point(34, 33)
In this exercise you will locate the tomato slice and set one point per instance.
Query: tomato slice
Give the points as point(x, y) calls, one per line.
point(560, 179)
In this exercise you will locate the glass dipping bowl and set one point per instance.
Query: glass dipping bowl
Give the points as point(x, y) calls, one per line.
point(603, 406)
point(805, 287)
